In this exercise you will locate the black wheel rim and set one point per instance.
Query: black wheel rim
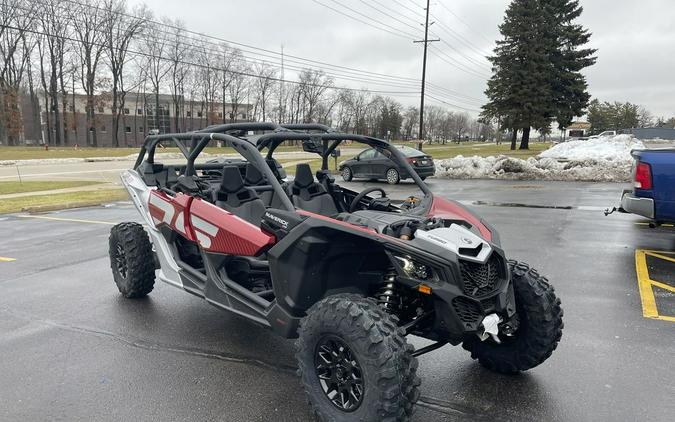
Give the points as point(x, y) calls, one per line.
point(121, 261)
point(339, 373)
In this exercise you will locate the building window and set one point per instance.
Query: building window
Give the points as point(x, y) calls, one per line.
point(140, 129)
point(199, 114)
point(188, 114)
point(100, 109)
point(71, 108)
point(139, 111)
point(126, 111)
point(220, 114)
point(102, 129)
point(127, 129)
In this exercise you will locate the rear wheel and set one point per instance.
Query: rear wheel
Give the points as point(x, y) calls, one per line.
point(539, 328)
point(355, 363)
point(393, 176)
point(347, 174)
point(131, 260)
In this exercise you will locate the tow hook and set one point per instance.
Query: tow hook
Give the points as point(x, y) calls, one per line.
point(490, 326)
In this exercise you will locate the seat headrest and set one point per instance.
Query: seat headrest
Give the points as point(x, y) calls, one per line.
point(253, 175)
point(303, 175)
point(231, 181)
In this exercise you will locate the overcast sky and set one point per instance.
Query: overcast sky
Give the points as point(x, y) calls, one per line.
point(635, 42)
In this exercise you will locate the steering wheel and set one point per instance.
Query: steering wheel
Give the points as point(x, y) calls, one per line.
point(358, 198)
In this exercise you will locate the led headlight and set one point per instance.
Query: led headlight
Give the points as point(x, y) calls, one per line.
point(416, 270)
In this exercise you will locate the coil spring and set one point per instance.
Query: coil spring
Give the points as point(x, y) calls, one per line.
point(388, 296)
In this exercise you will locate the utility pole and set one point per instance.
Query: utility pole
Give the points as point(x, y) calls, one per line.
point(281, 89)
point(426, 42)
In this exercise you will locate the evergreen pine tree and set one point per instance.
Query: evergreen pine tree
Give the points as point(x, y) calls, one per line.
point(536, 67)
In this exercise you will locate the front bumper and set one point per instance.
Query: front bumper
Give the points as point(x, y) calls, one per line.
point(637, 205)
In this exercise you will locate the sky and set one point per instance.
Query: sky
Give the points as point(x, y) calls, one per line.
point(635, 42)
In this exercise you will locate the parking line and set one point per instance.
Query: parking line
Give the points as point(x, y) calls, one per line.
point(645, 284)
point(643, 223)
point(72, 220)
point(5, 259)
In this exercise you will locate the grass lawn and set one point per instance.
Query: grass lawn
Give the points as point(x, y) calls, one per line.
point(28, 153)
point(61, 200)
point(33, 186)
point(467, 149)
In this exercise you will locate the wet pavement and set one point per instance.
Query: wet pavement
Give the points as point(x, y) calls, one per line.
point(73, 349)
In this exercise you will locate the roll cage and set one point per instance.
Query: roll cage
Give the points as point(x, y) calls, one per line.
point(318, 138)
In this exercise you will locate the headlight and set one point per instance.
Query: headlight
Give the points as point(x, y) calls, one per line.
point(416, 270)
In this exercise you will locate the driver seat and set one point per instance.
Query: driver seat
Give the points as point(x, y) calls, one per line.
point(238, 199)
point(309, 195)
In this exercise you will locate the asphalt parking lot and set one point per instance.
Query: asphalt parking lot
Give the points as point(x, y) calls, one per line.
point(72, 349)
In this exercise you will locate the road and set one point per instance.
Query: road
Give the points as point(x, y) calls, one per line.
point(73, 349)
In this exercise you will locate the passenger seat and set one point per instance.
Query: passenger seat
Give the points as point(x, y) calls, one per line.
point(238, 199)
point(309, 195)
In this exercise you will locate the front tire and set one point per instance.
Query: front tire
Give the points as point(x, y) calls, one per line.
point(393, 177)
point(355, 363)
point(131, 260)
point(540, 326)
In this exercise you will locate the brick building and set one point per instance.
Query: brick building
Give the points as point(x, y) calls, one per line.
point(139, 115)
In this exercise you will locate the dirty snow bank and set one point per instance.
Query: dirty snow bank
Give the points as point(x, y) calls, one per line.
point(611, 148)
point(605, 159)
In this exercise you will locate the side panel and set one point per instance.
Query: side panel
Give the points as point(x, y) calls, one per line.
point(219, 231)
point(171, 211)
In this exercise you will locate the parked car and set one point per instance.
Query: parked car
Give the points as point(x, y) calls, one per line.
point(603, 134)
point(653, 193)
point(377, 164)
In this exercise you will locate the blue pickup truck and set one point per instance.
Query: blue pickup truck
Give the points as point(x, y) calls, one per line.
point(653, 193)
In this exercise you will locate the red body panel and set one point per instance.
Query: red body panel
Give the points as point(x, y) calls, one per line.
point(217, 230)
point(447, 209)
point(172, 211)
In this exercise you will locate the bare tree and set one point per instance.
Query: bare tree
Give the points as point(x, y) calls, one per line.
point(313, 85)
point(120, 30)
point(238, 88)
point(156, 65)
point(16, 44)
point(230, 59)
point(263, 84)
point(88, 30)
point(179, 53)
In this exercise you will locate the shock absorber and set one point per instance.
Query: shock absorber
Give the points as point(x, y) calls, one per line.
point(388, 295)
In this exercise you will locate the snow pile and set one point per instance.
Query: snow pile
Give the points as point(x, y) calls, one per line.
point(534, 168)
point(605, 159)
point(611, 148)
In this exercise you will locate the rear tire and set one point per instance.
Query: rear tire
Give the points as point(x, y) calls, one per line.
point(131, 260)
point(393, 177)
point(347, 174)
point(540, 330)
point(351, 349)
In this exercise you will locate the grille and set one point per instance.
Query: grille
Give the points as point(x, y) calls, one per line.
point(466, 309)
point(480, 279)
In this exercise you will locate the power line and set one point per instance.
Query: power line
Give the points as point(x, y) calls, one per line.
point(463, 22)
point(275, 55)
point(388, 15)
point(442, 56)
point(394, 31)
point(454, 105)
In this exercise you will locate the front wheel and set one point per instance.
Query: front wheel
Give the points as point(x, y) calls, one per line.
point(539, 331)
point(355, 363)
point(393, 177)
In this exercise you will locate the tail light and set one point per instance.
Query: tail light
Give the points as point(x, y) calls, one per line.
point(643, 176)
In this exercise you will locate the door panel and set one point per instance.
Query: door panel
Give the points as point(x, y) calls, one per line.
point(217, 230)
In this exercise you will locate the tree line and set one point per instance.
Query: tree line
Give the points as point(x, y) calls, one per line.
point(618, 116)
point(105, 50)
